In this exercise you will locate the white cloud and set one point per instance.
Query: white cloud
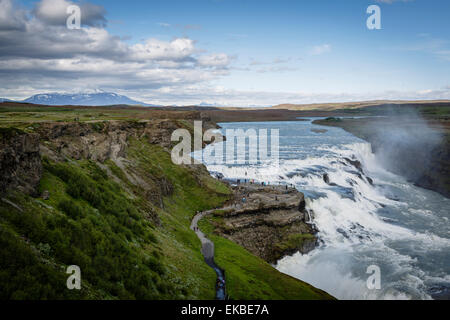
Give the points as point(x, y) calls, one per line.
point(430, 45)
point(320, 49)
point(11, 18)
point(38, 53)
point(163, 24)
point(55, 12)
point(214, 60)
point(443, 54)
point(154, 49)
point(277, 65)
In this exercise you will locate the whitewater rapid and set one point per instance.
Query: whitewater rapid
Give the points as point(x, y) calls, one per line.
point(366, 216)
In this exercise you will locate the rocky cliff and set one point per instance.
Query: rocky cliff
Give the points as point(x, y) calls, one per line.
point(100, 141)
point(269, 221)
point(21, 152)
point(20, 162)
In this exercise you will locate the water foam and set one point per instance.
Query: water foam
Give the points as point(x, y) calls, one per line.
point(360, 217)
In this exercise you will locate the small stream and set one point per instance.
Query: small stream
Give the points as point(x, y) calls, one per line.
point(220, 283)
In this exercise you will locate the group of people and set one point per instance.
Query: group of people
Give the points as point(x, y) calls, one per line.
point(263, 183)
point(251, 181)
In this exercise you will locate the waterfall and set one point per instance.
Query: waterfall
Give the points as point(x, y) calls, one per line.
point(364, 214)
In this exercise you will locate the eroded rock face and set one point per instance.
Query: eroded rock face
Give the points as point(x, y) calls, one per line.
point(271, 222)
point(99, 141)
point(102, 141)
point(20, 152)
point(20, 162)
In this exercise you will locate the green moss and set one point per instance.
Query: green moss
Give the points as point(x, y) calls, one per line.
point(97, 126)
point(294, 241)
point(116, 171)
point(221, 212)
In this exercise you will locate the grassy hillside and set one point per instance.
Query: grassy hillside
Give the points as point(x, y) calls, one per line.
point(126, 246)
point(251, 278)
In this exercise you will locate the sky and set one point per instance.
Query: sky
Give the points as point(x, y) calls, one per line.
point(226, 52)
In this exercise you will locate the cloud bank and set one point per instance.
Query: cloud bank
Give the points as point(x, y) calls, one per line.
point(38, 53)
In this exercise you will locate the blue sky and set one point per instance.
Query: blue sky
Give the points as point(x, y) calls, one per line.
point(272, 51)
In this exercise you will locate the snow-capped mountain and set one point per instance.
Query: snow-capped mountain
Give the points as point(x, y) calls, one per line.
point(83, 99)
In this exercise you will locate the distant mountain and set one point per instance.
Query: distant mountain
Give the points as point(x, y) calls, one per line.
point(83, 99)
point(5, 100)
point(206, 104)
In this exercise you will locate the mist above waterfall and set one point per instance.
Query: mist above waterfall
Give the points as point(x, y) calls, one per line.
point(404, 142)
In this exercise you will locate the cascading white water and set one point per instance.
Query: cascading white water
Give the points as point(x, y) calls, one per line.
point(365, 216)
point(310, 220)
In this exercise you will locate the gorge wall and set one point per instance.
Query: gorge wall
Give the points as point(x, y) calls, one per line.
point(20, 161)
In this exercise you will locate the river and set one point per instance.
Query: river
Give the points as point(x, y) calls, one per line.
point(367, 217)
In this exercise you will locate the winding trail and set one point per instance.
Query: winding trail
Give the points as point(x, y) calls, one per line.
point(208, 254)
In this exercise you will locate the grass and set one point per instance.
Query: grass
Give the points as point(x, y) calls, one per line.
point(221, 212)
point(251, 278)
point(294, 241)
point(25, 116)
point(91, 220)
